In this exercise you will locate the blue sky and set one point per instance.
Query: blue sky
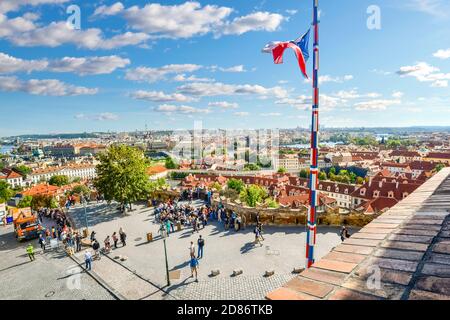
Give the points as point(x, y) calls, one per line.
point(166, 64)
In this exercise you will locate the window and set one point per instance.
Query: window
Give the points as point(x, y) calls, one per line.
point(390, 194)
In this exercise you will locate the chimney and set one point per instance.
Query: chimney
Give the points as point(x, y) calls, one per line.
point(380, 184)
point(396, 186)
point(370, 181)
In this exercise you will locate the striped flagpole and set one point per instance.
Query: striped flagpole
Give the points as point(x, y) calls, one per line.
point(314, 170)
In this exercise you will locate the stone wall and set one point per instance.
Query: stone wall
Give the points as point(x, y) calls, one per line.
point(292, 217)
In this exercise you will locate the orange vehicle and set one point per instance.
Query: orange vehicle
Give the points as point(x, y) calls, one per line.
point(26, 224)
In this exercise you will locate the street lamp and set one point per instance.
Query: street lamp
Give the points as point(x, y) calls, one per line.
point(85, 212)
point(163, 233)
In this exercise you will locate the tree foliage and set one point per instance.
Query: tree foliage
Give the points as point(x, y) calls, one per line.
point(80, 189)
point(121, 174)
point(236, 184)
point(43, 201)
point(5, 191)
point(25, 202)
point(282, 170)
point(253, 194)
point(170, 164)
point(23, 170)
point(59, 180)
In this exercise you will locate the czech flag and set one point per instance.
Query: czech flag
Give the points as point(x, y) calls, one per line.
point(300, 47)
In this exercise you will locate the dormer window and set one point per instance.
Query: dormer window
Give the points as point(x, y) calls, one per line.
point(362, 191)
point(405, 194)
point(390, 194)
point(346, 191)
point(376, 194)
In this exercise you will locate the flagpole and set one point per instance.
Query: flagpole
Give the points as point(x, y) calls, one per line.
point(314, 169)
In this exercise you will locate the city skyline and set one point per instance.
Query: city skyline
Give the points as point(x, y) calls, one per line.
point(127, 68)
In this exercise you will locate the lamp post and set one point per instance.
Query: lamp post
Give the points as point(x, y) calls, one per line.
point(163, 233)
point(85, 212)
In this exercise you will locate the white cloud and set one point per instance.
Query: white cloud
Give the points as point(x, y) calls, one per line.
point(14, 5)
point(224, 105)
point(176, 21)
point(144, 74)
point(221, 89)
point(440, 84)
point(270, 114)
point(241, 114)
point(81, 66)
point(253, 22)
point(237, 69)
point(192, 78)
point(169, 109)
point(327, 78)
point(437, 8)
point(23, 32)
point(47, 87)
point(376, 104)
point(159, 96)
point(291, 12)
point(397, 94)
point(424, 72)
point(88, 65)
point(442, 54)
point(105, 116)
point(109, 10)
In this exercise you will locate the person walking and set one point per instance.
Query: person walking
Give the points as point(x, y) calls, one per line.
point(192, 249)
point(78, 242)
point(257, 236)
point(30, 252)
point(344, 233)
point(96, 247)
point(88, 259)
point(260, 231)
point(107, 244)
point(194, 268)
point(201, 245)
point(115, 239)
point(123, 237)
point(42, 242)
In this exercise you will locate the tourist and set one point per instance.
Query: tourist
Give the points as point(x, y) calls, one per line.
point(123, 237)
point(115, 239)
point(30, 252)
point(96, 247)
point(107, 244)
point(192, 249)
point(42, 241)
point(88, 259)
point(257, 236)
point(194, 268)
point(201, 244)
point(93, 236)
point(344, 233)
point(78, 242)
point(260, 231)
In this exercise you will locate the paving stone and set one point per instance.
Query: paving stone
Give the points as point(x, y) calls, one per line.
point(362, 242)
point(442, 247)
point(375, 225)
point(287, 294)
point(427, 221)
point(389, 220)
point(314, 288)
point(333, 265)
point(354, 249)
point(372, 236)
point(386, 290)
point(434, 284)
point(435, 269)
point(327, 276)
point(394, 264)
point(410, 238)
point(346, 257)
point(346, 294)
point(425, 295)
point(386, 275)
point(405, 245)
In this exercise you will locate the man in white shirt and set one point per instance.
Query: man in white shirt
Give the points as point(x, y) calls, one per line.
point(88, 259)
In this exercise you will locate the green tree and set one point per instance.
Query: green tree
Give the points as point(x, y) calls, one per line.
point(251, 167)
point(304, 173)
point(322, 175)
point(439, 167)
point(156, 185)
point(25, 202)
point(121, 174)
point(170, 164)
point(5, 191)
point(60, 180)
point(236, 184)
point(252, 195)
point(360, 180)
point(81, 189)
point(23, 170)
point(43, 201)
point(282, 170)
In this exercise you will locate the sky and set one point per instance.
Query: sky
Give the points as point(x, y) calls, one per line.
point(133, 65)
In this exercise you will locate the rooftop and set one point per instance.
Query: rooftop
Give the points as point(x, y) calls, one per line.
point(404, 254)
